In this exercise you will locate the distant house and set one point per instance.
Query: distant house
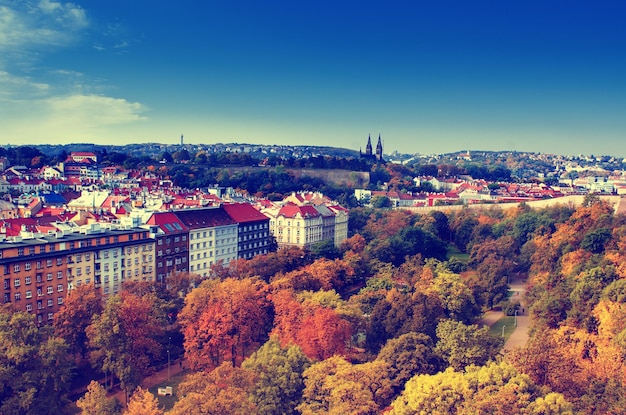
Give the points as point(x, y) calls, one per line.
point(80, 156)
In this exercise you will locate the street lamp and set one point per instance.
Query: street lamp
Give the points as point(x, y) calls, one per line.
point(515, 318)
point(169, 339)
point(503, 327)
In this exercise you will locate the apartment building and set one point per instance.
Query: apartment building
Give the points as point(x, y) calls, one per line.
point(35, 274)
point(296, 225)
point(212, 238)
point(253, 229)
point(172, 244)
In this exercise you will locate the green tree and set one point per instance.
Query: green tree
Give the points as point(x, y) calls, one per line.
point(461, 345)
point(279, 382)
point(409, 355)
point(35, 368)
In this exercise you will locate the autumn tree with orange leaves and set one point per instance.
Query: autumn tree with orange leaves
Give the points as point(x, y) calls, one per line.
point(225, 321)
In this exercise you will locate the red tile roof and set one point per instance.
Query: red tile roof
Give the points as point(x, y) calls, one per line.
point(244, 212)
point(168, 222)
point(291, 211)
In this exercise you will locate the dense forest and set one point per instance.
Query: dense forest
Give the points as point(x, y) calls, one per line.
point(387, 323)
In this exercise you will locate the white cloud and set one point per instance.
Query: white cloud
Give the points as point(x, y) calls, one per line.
point(93, 111)
point(47, 23)
point(69, 118)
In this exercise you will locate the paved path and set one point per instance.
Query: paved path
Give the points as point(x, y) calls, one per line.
point(155, 379)
point(519, 336)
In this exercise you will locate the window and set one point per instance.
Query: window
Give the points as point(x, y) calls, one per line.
point(27, 266)
point(38, 263)
point(50, 316)
point(160, 242)
point(79, 258)
point(16, 282)
point(60, 300)
point(39, 292)
point(29, 307)
point(49, 276)
point(87, 270)
point(7, 284)
point(27, 280)
point(39, 305)
point(18, 296)
point(50, 289)
point(16, 268)
point(79, 272)
point(29, 294)
point(59, 274)
point(20, 251)
point(31, 250)
point(60, 288)
point(59, 261)
point(87, 257)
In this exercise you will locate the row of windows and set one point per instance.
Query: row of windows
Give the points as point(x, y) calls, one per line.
point(203, 234)
point(31, 249)
point(28, 265)
point(255, 227)
point(168, 240)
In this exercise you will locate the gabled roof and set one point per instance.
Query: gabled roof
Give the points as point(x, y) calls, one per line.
point(291, 211)
point(243, 212)
point(168, 222)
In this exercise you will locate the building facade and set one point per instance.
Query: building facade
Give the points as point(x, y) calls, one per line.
point(253, 231)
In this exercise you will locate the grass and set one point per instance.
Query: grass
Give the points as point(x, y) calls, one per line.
point(168, 402)
point(454, 252)
point(508, 322)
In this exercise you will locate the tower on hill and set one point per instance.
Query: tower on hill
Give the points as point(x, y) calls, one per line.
point(378, 156)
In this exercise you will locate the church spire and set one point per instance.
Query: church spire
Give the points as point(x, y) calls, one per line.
point(368, 147)
point(379, 149)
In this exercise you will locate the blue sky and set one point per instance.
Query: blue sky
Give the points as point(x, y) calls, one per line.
point(430, 77)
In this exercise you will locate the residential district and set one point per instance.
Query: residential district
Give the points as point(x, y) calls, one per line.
point(79, 223)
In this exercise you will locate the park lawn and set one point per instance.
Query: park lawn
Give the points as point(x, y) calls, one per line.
point(508, 322)
point(453, 252)
point(168, 402)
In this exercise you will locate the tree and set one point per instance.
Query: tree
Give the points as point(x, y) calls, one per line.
point(409, 355)
point(494, 389)
point(320, 331)
point(35, 368)
point(96, 402)
point(224, 390)
point(71, 321)
point(124, 336)
point(334, 386)
point(279, 382)
point(462, 345)
point(142, 402)
point(225, 320)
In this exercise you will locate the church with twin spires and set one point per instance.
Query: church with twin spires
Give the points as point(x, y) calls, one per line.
point(368, 150)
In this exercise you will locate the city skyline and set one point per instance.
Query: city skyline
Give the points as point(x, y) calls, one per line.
point(429, 78)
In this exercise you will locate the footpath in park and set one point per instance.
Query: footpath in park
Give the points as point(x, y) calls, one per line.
point(519, 336)
point(157, 378)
